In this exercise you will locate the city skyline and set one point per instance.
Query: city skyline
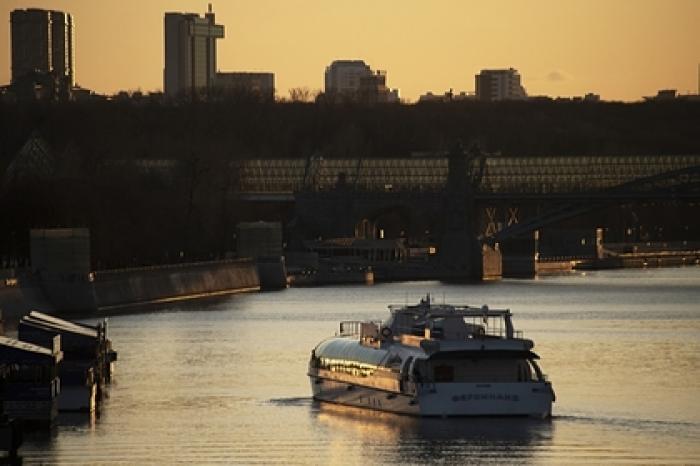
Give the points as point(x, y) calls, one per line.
point(621, 51)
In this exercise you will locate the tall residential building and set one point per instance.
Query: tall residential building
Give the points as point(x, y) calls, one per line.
point(190, 52)
point(344, 76)
point(494, 85)
point(42, 42)
point(355, 80)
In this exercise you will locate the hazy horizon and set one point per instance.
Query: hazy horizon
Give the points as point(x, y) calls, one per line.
point(622, 50)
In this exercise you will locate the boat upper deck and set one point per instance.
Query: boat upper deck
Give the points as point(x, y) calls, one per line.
point(458, 326)
point(444, 319)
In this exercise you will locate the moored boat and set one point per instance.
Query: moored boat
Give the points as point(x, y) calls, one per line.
point(433, 360)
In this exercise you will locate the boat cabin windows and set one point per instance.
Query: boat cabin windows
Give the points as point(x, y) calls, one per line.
point(348, 356)
point(482, 370)
point(346, 366)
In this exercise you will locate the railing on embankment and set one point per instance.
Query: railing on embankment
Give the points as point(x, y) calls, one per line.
point(646, 254)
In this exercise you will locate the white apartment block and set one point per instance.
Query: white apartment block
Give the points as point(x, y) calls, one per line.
point(493, 85)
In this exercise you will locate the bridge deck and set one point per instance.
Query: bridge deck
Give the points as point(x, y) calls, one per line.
point(502, 175)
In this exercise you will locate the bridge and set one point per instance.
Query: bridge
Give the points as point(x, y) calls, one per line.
point(502, 197)
point(502, 176)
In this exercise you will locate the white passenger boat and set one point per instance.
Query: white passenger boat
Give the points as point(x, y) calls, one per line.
point(433, 360)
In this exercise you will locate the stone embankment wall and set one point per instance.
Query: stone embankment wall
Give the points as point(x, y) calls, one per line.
point(129, 287)
point(113, 289)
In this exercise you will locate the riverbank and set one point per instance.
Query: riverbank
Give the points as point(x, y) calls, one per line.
point(109, 290)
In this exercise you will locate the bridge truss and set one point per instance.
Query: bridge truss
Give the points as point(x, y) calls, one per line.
point(502, 175)
point(682, 183)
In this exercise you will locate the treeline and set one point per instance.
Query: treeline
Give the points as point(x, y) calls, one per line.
point(137, 216)
point(244, 128)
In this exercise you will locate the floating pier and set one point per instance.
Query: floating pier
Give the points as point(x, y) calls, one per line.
point(30, 383)
point(54, 365)
point(88, 357)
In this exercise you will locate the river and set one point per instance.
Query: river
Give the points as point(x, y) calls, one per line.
point(225, 381)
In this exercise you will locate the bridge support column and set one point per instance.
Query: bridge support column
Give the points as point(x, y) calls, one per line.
point(520, 255)
point(491, 262)
point(465, 259)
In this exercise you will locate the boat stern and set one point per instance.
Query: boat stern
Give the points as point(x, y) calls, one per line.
point(532, 399)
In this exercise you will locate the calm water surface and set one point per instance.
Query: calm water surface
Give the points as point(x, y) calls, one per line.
point(225, 381)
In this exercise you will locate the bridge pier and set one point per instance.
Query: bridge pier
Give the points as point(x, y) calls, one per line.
point(491, 262)
point(519, 255)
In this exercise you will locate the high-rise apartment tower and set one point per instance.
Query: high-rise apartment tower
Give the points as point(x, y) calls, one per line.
point(42, 42)
point(190, 52)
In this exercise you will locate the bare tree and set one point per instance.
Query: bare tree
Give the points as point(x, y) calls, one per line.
point(300, 94)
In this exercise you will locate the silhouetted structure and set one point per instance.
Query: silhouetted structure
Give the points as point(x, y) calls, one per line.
point(190, 52)
point(151, 181)
point(493, 85)
point(42, 53)
point(670, 95)
point(261, 85)
point(449, 96)
point(666, 94)
point(34, 163)
point(354, 81)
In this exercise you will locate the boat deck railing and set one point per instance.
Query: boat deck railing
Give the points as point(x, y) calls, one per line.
point(493, 328)
point(489, 325)
point(493, 332)
point(492, 325)
point(351, 328)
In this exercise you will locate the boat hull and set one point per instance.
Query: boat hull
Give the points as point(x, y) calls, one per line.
point(532, 399)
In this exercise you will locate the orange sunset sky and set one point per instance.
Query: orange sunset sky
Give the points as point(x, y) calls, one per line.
point(620, 49)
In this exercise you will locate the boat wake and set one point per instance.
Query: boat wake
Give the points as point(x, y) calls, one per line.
point(291, 401)
point(687, 428)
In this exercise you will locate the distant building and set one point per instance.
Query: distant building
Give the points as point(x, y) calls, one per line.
point(542, 98)
point(493, 85)
point(190, 52)
point(448, 96)
point(588, 98)
point(354, 80)
point(343, 76)
point(259, 84)
point(672, 95)
point(373, 89)
point(666, 94)
point(42, 49)
point(81, 94)
point(40, 86)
